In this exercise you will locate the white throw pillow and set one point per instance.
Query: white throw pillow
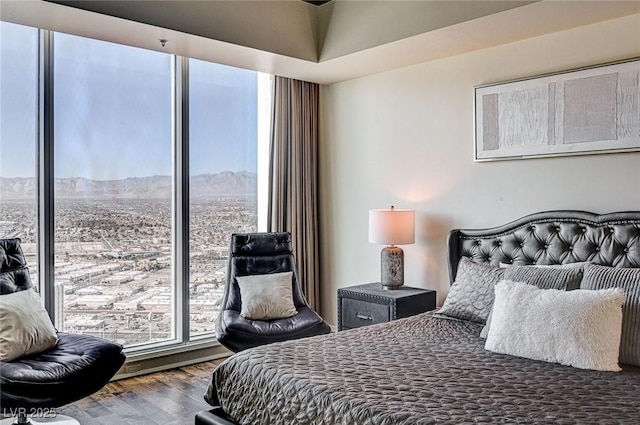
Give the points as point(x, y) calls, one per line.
point(25, 326)
point(267, 296)
point(580, 328)
point(566, 277)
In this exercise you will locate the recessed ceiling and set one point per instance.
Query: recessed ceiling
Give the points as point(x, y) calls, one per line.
point(334, 41)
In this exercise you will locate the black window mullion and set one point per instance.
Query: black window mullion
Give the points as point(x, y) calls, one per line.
point(45, 174)
point(181, 195)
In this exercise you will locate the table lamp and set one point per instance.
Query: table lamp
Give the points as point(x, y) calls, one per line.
point(392, 227)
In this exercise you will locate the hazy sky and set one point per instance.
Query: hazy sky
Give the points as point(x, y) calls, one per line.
point(18, 100)
point(113, 110)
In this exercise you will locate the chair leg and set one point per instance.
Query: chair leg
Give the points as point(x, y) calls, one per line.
point(19, 419)
point(23, 419)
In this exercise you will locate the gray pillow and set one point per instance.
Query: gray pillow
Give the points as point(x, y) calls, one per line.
point(471, 295)
point(267, 296)
point(564, 278)
point(627, 279)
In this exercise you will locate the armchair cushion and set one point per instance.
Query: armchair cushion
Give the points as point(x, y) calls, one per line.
point(78, 366)
point(26, 326)
point(238, 333)
point(267, 296)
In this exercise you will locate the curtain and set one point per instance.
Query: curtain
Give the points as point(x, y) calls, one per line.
point(293, 177)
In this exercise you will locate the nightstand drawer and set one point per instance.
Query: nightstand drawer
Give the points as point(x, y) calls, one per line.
point(356, 313)
point(368, 304)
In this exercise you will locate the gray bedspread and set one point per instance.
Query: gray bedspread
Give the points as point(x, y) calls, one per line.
point(419, 370)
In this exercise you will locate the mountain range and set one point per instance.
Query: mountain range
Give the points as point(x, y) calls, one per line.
point(226, 183)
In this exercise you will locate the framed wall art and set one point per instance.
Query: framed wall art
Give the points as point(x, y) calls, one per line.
point(585, 111)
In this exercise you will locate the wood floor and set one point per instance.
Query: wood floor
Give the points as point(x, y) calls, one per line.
point(171, 397)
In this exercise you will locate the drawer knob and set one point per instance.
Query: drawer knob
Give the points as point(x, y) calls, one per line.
point(363, 317)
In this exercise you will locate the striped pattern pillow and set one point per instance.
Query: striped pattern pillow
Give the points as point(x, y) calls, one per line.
point(627, 279)
point(563, 278)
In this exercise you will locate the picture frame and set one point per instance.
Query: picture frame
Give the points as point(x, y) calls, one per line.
point(585, 111)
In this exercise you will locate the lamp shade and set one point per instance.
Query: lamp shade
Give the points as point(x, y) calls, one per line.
point(392, 226)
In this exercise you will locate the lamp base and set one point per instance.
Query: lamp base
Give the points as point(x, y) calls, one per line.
point(392, 267)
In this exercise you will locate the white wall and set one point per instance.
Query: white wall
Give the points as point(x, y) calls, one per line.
point(405, 138)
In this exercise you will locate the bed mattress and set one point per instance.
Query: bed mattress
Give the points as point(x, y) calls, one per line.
point(419, 370)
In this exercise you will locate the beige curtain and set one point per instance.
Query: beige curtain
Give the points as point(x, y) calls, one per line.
point(293, 176)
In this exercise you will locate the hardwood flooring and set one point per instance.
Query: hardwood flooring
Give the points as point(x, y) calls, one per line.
point(171, 397)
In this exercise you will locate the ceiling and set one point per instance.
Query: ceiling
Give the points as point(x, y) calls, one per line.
point(324, 42)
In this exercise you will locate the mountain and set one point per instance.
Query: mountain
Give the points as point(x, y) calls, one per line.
point(226, 183)
point(17, 188)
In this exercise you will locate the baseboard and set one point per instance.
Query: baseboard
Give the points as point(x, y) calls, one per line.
point(149, 362)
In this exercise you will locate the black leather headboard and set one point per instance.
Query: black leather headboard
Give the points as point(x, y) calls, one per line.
point(552, 237)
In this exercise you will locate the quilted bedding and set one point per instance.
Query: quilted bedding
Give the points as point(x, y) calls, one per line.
point(420, 370)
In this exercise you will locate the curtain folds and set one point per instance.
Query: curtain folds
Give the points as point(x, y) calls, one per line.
point(293, 177)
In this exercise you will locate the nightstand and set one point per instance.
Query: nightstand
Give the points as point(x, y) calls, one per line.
point(369, 304)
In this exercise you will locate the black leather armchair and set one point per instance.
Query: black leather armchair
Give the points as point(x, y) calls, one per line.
point(76, 367)
point(262, 253)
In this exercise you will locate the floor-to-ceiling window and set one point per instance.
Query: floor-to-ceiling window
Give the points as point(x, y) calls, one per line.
point(113, 190)
point(223, 178)
point(116, 203)
point(18, 137)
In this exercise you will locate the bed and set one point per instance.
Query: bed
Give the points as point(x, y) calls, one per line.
point(433, 368)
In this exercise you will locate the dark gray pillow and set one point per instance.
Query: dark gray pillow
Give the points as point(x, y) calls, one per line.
point(471, 295)
point(563, 278)
point(627, 279)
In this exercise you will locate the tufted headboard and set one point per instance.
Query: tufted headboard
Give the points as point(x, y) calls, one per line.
point(552, 237)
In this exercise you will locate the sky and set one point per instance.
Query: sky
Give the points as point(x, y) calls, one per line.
point(112, 110)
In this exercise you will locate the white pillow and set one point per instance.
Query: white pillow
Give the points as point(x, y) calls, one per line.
point(25, 326)
point(580, 328)
point(267, 296)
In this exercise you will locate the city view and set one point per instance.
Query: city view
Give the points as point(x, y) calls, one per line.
point(113, 258)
